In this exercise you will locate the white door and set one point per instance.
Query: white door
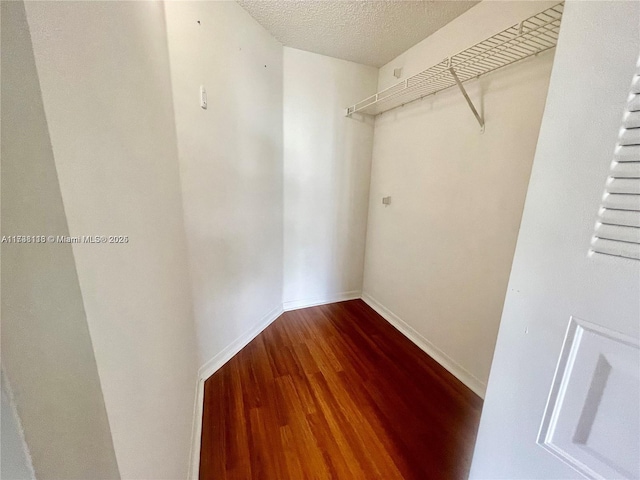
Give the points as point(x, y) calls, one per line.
point(563, 397)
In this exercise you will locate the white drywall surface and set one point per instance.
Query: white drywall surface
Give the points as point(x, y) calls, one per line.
point(327, 161)
point(47, 353)
point(553, 276)
point(230, 165)
point(104, 75)
point(438, 258)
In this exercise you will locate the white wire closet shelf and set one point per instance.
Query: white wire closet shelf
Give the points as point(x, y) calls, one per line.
point(534, 35)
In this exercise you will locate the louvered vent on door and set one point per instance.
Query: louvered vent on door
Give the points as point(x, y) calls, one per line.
point(618, 228)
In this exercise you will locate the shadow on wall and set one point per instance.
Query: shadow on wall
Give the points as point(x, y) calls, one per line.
point(47, 353)
point(230, 158)
point(327, 159)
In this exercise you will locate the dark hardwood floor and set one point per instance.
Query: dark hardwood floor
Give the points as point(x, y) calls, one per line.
point(335, 392)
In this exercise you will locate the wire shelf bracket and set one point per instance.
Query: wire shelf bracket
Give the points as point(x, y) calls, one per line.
point(466, 97)
point(530, 37)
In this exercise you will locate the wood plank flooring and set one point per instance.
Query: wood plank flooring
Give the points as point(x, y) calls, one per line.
point(335, 392)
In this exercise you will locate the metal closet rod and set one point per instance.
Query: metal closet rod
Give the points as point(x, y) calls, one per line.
point(529, 37)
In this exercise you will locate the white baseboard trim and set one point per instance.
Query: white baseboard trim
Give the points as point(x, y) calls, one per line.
point(477, 386)
point(7, 396)
point(208, 369)
point(196, 431)
point(312, 302)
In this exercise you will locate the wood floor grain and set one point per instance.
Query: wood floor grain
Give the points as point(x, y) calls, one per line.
point(335, 392)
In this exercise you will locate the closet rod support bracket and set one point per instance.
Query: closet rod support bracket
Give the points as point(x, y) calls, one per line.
point(466, 97)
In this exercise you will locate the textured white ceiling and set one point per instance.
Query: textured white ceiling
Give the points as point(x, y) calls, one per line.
point(364, 31)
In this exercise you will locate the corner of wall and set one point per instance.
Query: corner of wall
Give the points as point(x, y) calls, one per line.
point(208, 369)
point(476, 385)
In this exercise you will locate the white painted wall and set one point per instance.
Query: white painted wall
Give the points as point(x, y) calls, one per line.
point(553, 277)
point(438, 258)
point(104, 75)
point(275, 194)
point(230, 166)
point(327, 162)
point(47, 353)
